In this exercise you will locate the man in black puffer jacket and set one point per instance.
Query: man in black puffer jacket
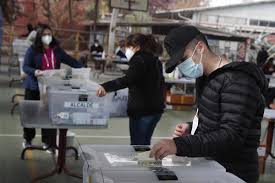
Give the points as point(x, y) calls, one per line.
point(230, 106)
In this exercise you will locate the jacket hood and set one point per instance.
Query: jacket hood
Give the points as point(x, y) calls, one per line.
point(252, 70)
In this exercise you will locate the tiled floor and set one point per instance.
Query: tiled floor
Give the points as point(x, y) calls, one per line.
point(14, 170)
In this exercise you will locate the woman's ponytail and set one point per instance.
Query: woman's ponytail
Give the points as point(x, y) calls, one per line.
point(146, 43)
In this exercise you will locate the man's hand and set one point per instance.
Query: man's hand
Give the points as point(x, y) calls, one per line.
point(181, 130)
point(272, 106)
point(163, 148)
point(38, 73)
point(100, 92)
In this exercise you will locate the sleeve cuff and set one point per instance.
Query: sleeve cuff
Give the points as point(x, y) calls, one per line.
point(178, 143)
point(107, 86)
point(183, 149)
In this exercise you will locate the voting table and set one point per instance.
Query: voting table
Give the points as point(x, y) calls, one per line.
point(119, 164)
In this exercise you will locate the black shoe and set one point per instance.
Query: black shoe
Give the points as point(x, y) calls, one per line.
point(26, 144)
point(49, 149)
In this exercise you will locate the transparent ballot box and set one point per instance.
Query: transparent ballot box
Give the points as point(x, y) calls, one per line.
point(61, 77)
point(77, 104)
point(123, 164)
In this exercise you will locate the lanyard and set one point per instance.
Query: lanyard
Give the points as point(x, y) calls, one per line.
point(52, 58)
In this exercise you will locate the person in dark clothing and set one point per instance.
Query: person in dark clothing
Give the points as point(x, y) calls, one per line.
point(145, 81)
point(262, 57)
point(29, 29)
point(230, 106)
point(268, 67)
point(96, 49)
point(120, 51)
point(44, 54)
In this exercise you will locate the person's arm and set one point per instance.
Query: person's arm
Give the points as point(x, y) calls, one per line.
point(133, 76)
point(238, 108)
point(121, 54)
point(99, 49)
point(28, 66)
point(92, 48)
point(31, 37)
point(68, 60)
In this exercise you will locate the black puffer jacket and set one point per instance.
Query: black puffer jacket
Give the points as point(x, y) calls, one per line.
point(231, 106)
point(145, 81)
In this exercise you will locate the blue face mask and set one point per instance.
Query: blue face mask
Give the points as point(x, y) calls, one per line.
point(190, 69)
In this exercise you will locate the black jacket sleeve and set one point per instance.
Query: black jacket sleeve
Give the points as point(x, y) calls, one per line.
point(133, 76)
point(68, 60)
point(28, 65)
point(237, 108)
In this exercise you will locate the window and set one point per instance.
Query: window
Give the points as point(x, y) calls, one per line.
point(254, 22)
point(272, 24)
point(264, 23)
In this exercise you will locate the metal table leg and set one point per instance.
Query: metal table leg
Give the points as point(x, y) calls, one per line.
point(61, 159)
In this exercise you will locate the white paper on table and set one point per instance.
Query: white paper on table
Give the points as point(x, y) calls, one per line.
point(269, 113)
point(195, 123)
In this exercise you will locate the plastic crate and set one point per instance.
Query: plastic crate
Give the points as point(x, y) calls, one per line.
point(77, 105)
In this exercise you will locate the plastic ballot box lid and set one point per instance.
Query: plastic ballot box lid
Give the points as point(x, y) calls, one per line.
point(119, 163)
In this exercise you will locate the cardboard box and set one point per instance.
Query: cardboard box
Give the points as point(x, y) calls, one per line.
point(180, 99)
point(182, 108)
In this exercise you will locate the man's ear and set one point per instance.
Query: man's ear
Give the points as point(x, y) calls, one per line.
point(201, 47)
point(136, 48)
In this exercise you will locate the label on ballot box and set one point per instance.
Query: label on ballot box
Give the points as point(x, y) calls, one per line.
point(69, 105)
point(78, 105)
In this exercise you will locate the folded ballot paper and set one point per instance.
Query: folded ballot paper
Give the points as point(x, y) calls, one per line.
point(140, 158)
point(144, 159)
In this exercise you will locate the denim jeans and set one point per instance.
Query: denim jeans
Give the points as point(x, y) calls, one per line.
point(142, 128)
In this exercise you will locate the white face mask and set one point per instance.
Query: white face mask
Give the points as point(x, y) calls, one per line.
point(47, 39)
point(129, 53)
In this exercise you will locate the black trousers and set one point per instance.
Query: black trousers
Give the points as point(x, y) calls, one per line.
point(48, 135)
